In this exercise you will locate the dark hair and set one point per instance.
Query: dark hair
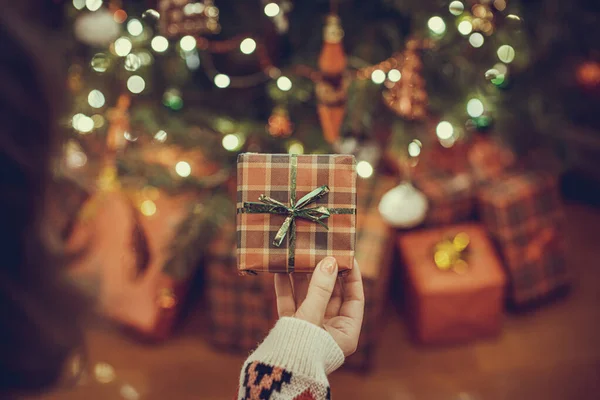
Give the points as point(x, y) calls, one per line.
point(39, 310)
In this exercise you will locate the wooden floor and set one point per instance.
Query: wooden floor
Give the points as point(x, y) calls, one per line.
point(550, 353)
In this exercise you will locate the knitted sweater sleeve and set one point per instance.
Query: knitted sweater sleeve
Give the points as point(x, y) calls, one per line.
point(292, 364)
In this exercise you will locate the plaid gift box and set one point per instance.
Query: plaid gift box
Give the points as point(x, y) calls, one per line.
point(523, 213)
point(489, 160)
point(451, 196)
point(374, 250)
point(446, 307)
point(294, 210)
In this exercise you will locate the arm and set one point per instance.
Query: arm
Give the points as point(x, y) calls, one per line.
point(310, 340)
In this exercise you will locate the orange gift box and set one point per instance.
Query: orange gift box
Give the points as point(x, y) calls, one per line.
point(445, 307)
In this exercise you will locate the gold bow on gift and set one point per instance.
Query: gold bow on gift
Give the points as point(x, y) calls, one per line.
point(450, 253)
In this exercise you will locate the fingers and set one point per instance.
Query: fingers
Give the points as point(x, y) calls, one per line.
point(333, 308)
point(319, 292)
point(300, 285)
point(353, 305)
point(286, 307)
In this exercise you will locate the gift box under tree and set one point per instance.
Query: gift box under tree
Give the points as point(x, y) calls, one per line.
point(523, 214)
point(445, 306)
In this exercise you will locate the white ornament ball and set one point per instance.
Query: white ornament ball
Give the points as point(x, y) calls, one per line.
point(404, 206)
point(97, 28)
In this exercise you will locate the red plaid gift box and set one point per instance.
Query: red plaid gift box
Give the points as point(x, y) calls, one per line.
point(294, 210)
point(451, 196)
point(523, 213)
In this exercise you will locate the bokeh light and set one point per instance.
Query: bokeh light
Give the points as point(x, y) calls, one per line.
point(96, 99)
point(123, 46)
point(129, 136)
point(475, 108)
point(132, 62)
point(476, 40)
point(465, 27)
point(444, 130)
point(295, 147)
point(148, 208)
point(222, 81)
point(284, 83)
point(159, 44)
point(456, 7)
point(100, 62)
point(93, 5)
point(78, 4)
point(247, 46)
point(364, 169)
point(187, 43)
point(506, 53)
point(394, 75)
point(231, 142)
point(136, 84)
point(436, 25)
point(378, 76)
point(272, 9)
point(414, 148)
point(160, 136)
point(183, 169)
point(135, 27)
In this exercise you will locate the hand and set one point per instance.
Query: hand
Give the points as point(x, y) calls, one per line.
point(335, 304)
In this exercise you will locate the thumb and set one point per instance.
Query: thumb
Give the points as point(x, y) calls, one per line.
point(319, 292)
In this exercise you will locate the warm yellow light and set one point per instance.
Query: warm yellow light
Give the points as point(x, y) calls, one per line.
point(456, 8)
point(465, 27)
point(132, 62)
point(378, 76)
point(295, 148)
point(96, 99)
point(500, 4)
point(247, 46)
point(148, 208)
point(136, 84)
point(414, 148)
point(187, 43)
point(93, 5)
point(135, 27)
point(231, 142)
point(222, 81)
point(476, 39)
point(78, 4)
point(122, 46)
point(475, 108)
point(159, 44)
point(160, 136)
point(104, 373)
point(284, 83)
point(444, 130)
point(436, 25)
point(82, 123)
point(394, 75)
point(271, 10)
point(501, 68)
point(364, 169)
point(183, 169)
point(506, 53)
point(98, 120)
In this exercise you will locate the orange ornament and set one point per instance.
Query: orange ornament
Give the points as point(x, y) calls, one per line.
point(279, 123)
point(332, 89)
point(588, 74)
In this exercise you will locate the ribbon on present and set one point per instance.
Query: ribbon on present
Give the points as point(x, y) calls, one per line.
point(296, 209)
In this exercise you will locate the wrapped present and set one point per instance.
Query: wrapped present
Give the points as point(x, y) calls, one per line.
point(523, 213)
point(489, 160)
point(451, 196)
point(452, 303)
point(294, 210)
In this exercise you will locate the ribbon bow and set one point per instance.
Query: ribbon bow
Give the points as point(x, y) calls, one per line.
point(296, 209)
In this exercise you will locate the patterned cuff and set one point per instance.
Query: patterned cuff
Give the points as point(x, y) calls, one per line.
point(301, 348)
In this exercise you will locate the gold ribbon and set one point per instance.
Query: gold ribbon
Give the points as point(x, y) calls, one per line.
point(296, 209)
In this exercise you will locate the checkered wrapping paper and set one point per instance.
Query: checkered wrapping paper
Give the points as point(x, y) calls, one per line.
point(269, 174)
point(451, 196)
point(518, 212)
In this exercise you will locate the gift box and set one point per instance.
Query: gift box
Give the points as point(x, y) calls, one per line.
point(446, 307)
point(294, 210)
point(489, 159)
point(451, 196)
point(524, 215)
point(374, 251)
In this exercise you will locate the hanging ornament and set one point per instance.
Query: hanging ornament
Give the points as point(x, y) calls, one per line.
point(185, 17)
point(407, 97)
point(96, 28)
point(588, 74)
point(403, 206)
point(332, 88)
point(279, 123)
point(118, 129)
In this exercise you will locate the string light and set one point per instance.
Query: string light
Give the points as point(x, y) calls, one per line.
point(122, 46)
point(247, 46)
point(159, 44)
point(96, 99)
point(160, 136)
point(93, 5)
point(148, 208)
point(364, 169)
point(183, 169)
point(394, 75)
point(284, 83)
point(475, 108)
point(136, 84)
point(83, 123)
point(414, 148)
point(187, 43)
point(78, 4)
point(231, 142)
point(436, 25)
point(506, 53)
point(378, 76)
point(476, 39)
point(295, 147)
point(222, 81)
point(272, 10)
point(444, 130)
point(135, 27)
point(465, 27)
point(456, 8)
